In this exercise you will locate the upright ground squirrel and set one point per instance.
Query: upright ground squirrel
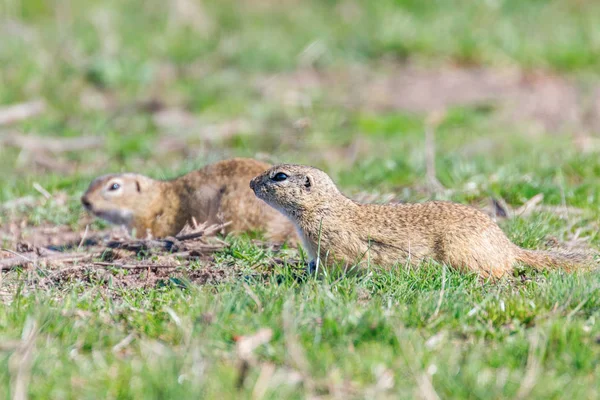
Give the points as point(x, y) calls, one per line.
point(216, 193)
point(334, 228)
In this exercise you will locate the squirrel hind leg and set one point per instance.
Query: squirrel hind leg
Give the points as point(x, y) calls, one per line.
point(485, 259)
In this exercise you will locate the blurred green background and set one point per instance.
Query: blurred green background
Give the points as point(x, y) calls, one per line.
point(168, 86)
point(510, 89)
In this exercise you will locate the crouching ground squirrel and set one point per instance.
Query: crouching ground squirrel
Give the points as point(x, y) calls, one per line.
point(216, 193)
point(334, 228)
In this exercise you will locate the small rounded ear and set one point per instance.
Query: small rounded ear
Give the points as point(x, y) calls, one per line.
point(142, 183)
point(308, 182)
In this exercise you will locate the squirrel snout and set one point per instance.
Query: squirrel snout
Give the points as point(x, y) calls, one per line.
point(86, 203)
point(253, 184)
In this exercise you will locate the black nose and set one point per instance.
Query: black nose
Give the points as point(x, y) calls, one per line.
point(86, 203)
point(252, 183)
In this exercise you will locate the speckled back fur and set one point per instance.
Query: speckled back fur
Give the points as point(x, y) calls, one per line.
point(216, 193)
point(387, 235)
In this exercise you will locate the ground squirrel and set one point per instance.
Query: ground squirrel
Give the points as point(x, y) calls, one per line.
point(216, 193)
point(334, 228)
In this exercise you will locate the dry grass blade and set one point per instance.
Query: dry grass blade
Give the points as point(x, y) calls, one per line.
point(245, 347)
point(441, 298)
point(253, 296)
point(21, 111)
point(21, 360)
point(433, 121)
point(294, 348)
point(246, 344)
point(20, 256)
point(83, 237)
point(42, 191)
point(262, 383)
point(426, 389)
point(123, 343)
point(530, 205)
point(532, 370)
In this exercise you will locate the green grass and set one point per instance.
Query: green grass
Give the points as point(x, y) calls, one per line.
point(381, 333)
point(400, 333)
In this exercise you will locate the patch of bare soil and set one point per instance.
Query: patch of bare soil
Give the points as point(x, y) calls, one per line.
point(121, 262)
point(145, 277)
point(50, 236)
point(548, 102)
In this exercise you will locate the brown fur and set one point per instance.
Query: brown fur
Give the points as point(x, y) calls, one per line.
point(216, 193)
point(353, 233)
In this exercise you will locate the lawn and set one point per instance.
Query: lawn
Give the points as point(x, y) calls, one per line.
point(510, 90)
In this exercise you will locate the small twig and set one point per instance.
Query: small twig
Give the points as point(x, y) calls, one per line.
point(262, 383)
point(573, 240)
point(123, 343)
point(133, 266)
point(577, 308)
point(18, 255)
point(253, 296)
point(530, 205)
point(43, 191)
point(10, 263)
point(433, 121)
point(205, 231)
point(83, 237)
point(141, 244)
point(169, 243)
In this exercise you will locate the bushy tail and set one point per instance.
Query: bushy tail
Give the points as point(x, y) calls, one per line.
point(551, 259)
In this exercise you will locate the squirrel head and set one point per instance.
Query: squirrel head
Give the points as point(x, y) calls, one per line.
point(118, 198)
point(293, 189)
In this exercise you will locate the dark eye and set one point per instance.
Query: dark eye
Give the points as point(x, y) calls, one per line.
point(280, 176)
point(114, 186)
